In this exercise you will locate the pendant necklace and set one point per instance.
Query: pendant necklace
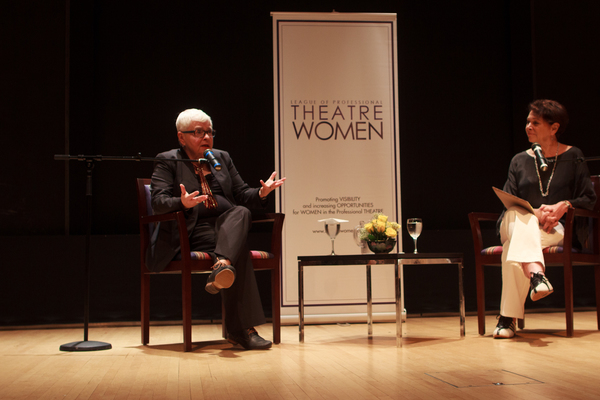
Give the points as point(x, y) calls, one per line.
point(551, 175)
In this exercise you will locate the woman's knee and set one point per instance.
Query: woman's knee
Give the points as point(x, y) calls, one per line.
point(243, 213)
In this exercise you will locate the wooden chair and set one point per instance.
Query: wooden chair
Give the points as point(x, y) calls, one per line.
point(566, 257)
point(198, 262)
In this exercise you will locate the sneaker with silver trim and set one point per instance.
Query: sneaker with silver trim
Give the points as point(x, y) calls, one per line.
point(506, 328)
point(540, 287)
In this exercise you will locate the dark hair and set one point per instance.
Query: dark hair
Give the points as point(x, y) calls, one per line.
point(551, 111)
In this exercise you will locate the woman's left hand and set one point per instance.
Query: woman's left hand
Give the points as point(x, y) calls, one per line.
point(270, 185)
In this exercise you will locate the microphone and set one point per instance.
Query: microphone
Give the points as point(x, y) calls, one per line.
point(537, 150)
point(210, 156)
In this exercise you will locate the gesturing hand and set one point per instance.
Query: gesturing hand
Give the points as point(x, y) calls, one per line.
point(270, 185)
point(190, 200)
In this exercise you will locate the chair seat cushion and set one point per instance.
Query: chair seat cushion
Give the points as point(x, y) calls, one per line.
point(498, 250)
point(198, 255)
point(254, 254)
point(261, 255)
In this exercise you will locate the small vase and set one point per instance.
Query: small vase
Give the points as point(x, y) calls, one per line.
point(381, 246)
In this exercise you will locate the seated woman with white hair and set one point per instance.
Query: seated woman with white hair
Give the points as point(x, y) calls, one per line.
point(217, 205)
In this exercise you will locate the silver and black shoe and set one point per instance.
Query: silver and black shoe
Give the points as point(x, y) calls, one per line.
point(540, 287)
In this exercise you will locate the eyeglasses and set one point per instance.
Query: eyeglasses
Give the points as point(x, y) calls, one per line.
point(199, 133)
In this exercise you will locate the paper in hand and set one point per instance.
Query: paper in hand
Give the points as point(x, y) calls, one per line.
point(510, 200)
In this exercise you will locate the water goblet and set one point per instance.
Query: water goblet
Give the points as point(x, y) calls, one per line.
point(332, 229)
point(414, 226)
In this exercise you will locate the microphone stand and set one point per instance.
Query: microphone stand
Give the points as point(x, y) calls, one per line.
point(586, 159)
point(577, 160)
point(90, 345)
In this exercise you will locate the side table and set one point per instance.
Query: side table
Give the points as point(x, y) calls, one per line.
point(398, 260)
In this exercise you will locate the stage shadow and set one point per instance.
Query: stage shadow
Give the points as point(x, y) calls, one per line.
point(220, 348)
point(539, 337)
point(389, 341)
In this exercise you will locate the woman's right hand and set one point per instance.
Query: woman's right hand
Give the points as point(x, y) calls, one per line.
point(190, 200)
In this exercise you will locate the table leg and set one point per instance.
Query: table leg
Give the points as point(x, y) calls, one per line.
point(301, 301)
point(399, 279)
point(369, 302)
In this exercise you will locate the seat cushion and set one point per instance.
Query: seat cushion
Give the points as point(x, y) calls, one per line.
point(498, 250)
point(254, 254)
point(199, 255)
point(261, 255)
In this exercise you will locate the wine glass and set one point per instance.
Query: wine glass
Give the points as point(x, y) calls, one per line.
point(414, 226)
point(332, 229)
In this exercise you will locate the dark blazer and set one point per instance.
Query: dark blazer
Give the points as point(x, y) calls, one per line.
point(166, 198)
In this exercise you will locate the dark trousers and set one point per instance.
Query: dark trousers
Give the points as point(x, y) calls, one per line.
point(227, 237)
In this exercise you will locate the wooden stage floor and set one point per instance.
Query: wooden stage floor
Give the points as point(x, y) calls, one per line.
point(336, 362)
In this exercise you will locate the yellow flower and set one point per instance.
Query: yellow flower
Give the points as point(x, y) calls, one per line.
point(379, 228)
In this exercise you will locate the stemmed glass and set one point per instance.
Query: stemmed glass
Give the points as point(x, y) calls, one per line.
point(332, 229)
point(414, 226)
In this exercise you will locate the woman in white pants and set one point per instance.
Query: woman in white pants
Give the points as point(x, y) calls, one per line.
point(551, 192)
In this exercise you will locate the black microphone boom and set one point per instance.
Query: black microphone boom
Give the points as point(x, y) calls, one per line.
point(210, 156)
point(537, 151)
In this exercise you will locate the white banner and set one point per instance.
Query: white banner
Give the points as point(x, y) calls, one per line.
point(337, 142)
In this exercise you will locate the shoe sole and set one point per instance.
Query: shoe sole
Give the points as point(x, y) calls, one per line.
point(256, 348)
point(223, 280)
point(535, 296)
point(497, 336)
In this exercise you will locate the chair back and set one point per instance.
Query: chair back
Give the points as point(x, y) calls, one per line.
point(594, 225)
point(144, 210)
point(596, 184)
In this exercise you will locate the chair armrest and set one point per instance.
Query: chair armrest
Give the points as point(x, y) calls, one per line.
point(181, 225)
point(148, 219)
point(475, 219)
point(277, 229)
point(569, 224)
point(582, 212)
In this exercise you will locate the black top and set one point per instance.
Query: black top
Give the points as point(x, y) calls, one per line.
point(571, 180)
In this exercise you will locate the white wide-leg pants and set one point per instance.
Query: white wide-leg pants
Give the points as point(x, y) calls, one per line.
point(522, 242)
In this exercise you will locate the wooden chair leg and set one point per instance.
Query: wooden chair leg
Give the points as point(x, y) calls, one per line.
point(186, 300)
point(223, 325)
point(521, 323)
point(145, 309)
point(597, 275)
point(568, 273)
point(480, 278)
point(276, 306)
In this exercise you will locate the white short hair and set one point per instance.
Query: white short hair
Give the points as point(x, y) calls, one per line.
point(186, 117)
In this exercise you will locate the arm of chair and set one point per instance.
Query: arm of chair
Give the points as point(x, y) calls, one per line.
point(178, 216)
point(277, 229)
point(580, 212)
point(148, 219)
point(475, 219)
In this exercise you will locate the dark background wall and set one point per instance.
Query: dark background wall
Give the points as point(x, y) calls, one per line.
point(110, 77)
